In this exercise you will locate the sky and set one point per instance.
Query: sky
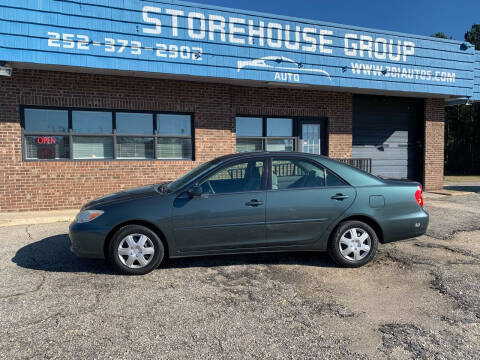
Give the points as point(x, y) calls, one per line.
point(420, 17)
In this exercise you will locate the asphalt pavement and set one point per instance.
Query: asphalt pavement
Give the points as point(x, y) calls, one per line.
point(419, 299)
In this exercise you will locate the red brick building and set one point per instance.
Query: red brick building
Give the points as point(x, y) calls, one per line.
point(74, 127)
point(27, 184)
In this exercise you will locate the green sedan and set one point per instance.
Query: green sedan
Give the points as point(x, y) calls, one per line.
point(249, 203)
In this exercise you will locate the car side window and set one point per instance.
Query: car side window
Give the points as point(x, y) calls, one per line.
point(334, 180)
point(240, 177)
point(296, 173)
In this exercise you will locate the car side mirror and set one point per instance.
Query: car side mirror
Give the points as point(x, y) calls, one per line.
point(195, 191)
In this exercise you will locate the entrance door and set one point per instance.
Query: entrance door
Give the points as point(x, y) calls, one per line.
point(311, 136)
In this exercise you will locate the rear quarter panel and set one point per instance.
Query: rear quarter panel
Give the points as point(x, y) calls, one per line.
point(391, 204)
point(399, 216)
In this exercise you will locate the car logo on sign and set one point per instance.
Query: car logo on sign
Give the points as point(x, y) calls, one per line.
point(279, 63)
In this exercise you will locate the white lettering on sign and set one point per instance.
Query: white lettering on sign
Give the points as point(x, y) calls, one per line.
point(119, 46)
point(308, 38)
point(216, 23)
point(233, 29)
point(292, 45)
point(196, 34)
point(359, 53)
point(288, 77)
point(365, 46)
point(325, 41)
point(401, 72)
point(175, 14)
point(256, 32)
point(380, 48)
point(152, 20)
point(239, 30)
point(274, 35)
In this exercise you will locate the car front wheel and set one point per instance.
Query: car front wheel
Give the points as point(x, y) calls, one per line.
point(353, 244)
point(136, 250)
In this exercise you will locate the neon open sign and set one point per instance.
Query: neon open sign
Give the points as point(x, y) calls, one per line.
point(46, 140)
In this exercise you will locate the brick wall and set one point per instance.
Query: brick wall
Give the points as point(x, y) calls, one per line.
point(434, 144)
point(68, 184)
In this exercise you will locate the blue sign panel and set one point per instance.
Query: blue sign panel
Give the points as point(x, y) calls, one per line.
point(476, 88)
point(172, 37)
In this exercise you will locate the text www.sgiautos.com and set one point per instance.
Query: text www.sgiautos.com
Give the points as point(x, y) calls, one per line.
point(401, 72)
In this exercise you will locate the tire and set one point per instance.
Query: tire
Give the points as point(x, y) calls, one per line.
point(135, 250)
point(352, 254)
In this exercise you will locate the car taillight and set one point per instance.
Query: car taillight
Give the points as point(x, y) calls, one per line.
point(418, 196)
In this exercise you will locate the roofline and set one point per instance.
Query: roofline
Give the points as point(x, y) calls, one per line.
point(239, 156)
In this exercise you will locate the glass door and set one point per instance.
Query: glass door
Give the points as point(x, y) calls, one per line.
point(311, 136)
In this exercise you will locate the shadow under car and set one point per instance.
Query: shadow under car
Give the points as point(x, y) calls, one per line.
point(53, 254)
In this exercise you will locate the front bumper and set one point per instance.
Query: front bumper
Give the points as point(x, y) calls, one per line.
point(87, 240)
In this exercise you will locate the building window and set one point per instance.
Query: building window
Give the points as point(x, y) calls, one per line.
point(88, 123)
point(264, 134)
point(60, 134)
point(47, 137)
point(140, 145)
point(174, 136)
point(46, 147)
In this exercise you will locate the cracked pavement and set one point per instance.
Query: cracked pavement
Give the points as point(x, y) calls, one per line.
point(419, 299)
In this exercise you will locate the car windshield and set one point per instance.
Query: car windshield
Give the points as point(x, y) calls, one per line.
point(191, 175)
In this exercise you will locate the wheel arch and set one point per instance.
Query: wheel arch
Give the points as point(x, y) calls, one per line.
point(367, 220)
point(147, 224)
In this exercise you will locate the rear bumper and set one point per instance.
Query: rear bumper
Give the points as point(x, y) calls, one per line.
point(87, 240)
point(407, 227)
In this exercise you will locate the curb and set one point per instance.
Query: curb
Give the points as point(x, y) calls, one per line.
point(32, 218)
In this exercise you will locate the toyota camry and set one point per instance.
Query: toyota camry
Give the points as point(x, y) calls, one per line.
point(249, 203)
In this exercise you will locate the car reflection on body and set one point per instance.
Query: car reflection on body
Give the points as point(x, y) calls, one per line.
point(248, 203)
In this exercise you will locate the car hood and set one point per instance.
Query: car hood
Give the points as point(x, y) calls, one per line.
point(126, 195)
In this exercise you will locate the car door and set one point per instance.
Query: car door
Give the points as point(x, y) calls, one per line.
point(300, 205)
point(230, 213)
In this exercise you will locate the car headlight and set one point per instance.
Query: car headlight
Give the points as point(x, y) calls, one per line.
point(88, 215)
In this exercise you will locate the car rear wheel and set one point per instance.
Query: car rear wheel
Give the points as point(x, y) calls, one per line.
point(353, 244)
point(135, 250)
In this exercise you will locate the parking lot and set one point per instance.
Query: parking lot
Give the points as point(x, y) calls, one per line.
point(419, 299)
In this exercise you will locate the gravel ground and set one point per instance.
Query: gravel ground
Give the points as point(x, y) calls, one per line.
point(419, 299)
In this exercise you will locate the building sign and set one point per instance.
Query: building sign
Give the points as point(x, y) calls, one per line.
point(205, 41)
point(46, 140)
point(476, 88)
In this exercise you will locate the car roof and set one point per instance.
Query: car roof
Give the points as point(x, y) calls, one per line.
point(269, 153)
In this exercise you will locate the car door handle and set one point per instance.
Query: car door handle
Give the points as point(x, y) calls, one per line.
point(254, 203)
point(339, 197)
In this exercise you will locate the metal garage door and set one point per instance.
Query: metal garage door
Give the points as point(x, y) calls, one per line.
point(388, 130)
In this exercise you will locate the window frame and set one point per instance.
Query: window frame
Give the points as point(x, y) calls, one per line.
point(233, 162)
point(264, 138)
point(290, 156)
point(70, 134)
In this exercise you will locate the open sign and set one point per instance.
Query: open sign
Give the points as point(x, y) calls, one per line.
point(46, 140)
